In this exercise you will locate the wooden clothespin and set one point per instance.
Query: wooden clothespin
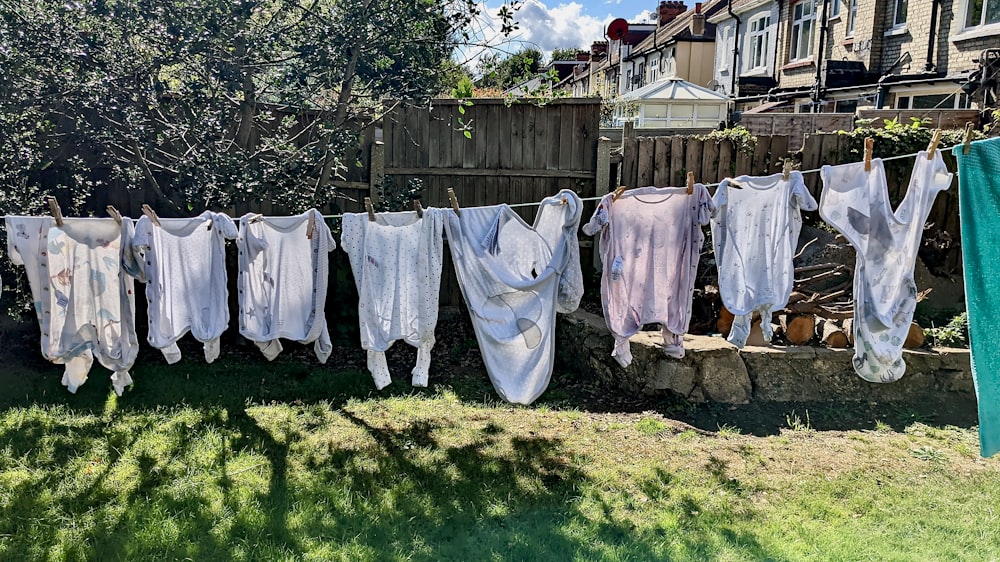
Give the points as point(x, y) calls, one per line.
point(618, 193)
point(869, 148)
point(256, 218)
point(735, 183)
point(56, 211)
point(690, 186)
point(786, 169)
point(113, 213)
point(418, 208)
point(454, 201)
point(968, 138)
point(563, 201)
point(149, 212)
point(311, 225)
point(370, 209)
point(934, 143)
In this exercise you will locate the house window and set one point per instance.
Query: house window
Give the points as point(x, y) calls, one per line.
point(727, 49)
point(852, 16)
point(803, 23)
point(846, 106)
point(903, 102)
point(758, 42)
point(834, 8)
point(641, 77)
point(899, 14)
point(982, 12)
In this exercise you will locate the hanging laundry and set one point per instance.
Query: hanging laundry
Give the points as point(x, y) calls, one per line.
point(979, 210)
point(514, 278)
point(282, 282)
point(650, 243)
point(81, 279)
point(396, 261)
point(856, 203)
point(183, 262)
point(755, 231)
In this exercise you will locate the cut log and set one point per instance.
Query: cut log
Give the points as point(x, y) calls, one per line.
point(832, 334)
point(849, 330)
point(725, 322)
point(799, 328)
point(915, 338)
point(756, 337)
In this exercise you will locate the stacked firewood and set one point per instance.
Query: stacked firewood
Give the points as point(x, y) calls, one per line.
point(820, 309)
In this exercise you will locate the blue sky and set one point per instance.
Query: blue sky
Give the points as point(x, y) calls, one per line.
point(549, 25)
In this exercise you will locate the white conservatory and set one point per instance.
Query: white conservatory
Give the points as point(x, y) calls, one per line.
point(672, 103)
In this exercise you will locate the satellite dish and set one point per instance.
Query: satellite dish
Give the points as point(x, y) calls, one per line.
point(617, 29)
point(714, 85)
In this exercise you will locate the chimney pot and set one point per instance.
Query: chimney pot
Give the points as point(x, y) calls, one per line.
point(698, 21)
point(669, 10)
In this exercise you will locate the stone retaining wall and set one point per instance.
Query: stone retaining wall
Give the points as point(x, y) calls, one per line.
point(716, 371)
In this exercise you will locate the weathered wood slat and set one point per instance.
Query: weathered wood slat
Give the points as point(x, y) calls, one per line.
point(661, 160)
point(676, 161)
point(579, 174)
point(645, 162)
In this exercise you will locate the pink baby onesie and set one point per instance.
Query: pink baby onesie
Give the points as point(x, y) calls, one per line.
point(650, 243)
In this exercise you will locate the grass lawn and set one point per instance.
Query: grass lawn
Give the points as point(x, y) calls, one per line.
point(247, 460)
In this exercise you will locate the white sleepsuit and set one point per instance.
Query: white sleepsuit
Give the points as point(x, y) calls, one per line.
point(81, 279)
point(514, 278)
point(857, 204)
point(283, 277)
point(650, 243)
point(755, 231)
point(396, 261)
point(184, 266)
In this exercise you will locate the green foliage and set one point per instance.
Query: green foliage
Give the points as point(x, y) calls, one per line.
point(499, 72)
point(743, 140)
point(394, 198)
point(216, 102)
point(953, 334)
point(615, 106)
point(897, 138)
point(464, 89)
point(564, 54)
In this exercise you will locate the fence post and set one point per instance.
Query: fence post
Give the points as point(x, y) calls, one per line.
point(377, 171)
point(602, 183)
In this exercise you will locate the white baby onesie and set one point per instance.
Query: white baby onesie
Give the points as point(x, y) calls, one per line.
point(650, 244)
point(283, 277)
point(885, 295)
point(514, 278)
point(184, 267)
point(396, 262)
point(755, 231)
point(81, 281)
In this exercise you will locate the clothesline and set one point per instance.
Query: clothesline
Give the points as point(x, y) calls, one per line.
point(599, 197)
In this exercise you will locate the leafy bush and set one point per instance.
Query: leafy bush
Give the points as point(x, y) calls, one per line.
point(954, 334)
point(743, 140)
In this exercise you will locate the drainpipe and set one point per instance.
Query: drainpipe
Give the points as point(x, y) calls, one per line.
point(819, 56)
point(932, 37)
point(736, 48)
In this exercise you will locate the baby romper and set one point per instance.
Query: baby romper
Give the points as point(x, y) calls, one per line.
point(282, 283)
point(755, 231)
point(396, 262)
point(650, 244)
point(184, 268)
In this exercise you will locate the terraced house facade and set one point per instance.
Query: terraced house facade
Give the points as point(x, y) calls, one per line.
point(843, 55)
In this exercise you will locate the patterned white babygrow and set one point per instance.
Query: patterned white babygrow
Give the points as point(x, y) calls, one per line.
point(283, 277)
point(650, 243)
point(184, 267)
point(755, 231)
point(514, 278)
point(396, 262)
point(81, 279)
point(885, 296)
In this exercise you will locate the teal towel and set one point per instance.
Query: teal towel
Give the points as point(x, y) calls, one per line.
point(979, 208)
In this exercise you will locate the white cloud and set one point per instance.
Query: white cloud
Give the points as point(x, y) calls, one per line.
point(564, 26)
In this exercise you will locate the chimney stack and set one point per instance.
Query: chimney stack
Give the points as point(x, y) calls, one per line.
point(582, 56)
point(698, 21)
point(670, 9)
point(598, 48)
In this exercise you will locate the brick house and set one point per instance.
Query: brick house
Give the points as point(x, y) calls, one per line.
point(842, 55)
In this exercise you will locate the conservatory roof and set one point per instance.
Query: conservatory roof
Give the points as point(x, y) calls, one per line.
point(673, 89)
